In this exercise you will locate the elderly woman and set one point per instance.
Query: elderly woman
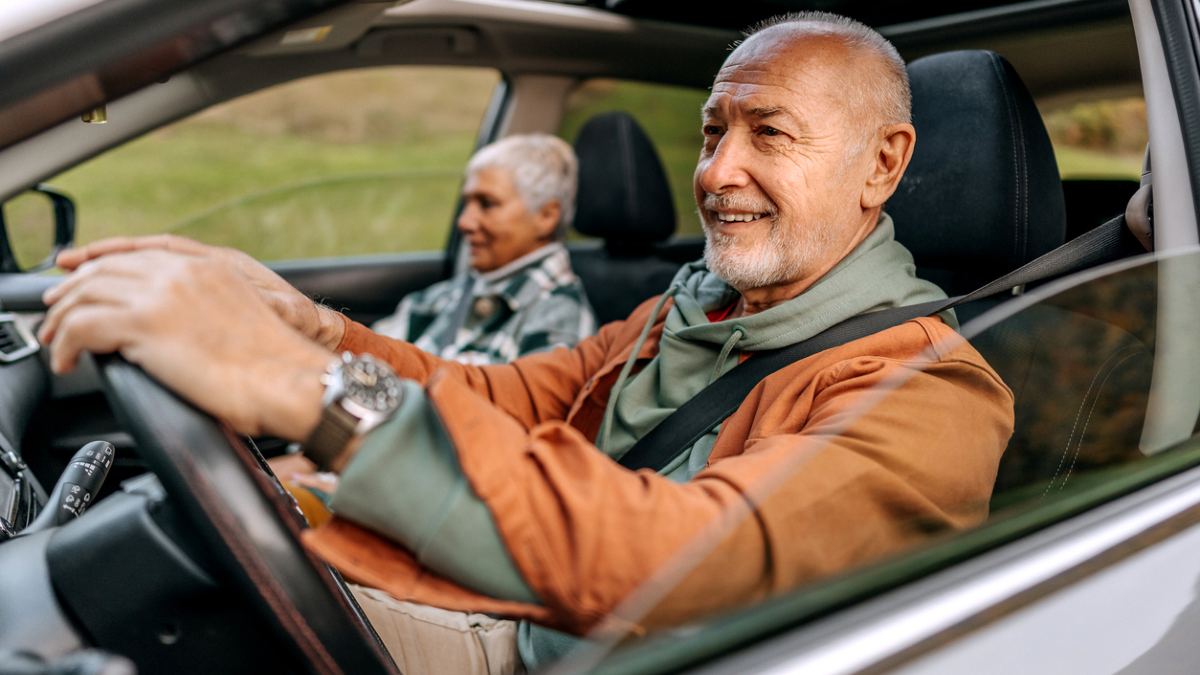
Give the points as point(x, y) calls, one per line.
point(520, 295)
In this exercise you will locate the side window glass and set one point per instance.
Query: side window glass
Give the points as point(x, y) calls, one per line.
point(1099, 145)
point(349, 163)
point(1099, 139)
point(671, 117)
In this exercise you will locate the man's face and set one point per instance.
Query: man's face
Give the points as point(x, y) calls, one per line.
point(495, 222)
point(779, 179)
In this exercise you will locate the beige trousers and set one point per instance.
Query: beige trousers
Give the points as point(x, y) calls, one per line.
point(426, 640)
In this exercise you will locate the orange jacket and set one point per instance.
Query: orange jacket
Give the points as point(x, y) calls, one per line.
point(851, 454)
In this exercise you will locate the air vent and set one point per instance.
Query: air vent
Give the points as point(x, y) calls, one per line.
point(16, 342)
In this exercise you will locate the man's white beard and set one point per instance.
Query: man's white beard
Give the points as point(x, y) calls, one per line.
point(786, 254)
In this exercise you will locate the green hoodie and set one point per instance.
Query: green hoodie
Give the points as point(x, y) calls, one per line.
point(693, 351)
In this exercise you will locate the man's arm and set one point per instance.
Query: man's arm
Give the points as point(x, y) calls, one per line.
point(547, 386)
point(854, 480)
point(533, 389)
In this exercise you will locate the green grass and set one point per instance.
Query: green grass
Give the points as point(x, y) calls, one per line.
point(351, 163)
point(1081, 163)
point(276, 197)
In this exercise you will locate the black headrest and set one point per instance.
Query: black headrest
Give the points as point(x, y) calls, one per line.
point(982, 195)
point(623, 194)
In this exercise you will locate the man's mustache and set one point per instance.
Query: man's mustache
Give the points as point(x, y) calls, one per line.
point(736, 202)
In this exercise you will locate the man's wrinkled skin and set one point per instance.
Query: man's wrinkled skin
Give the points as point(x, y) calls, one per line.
point(210, 323)
point(239, 342)
point(783, 146)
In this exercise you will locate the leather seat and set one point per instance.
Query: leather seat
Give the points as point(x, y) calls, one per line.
point(624, 200)
point(982, 197)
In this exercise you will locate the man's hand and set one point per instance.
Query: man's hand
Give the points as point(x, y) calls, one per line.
point(317, 322)
point(196, 323)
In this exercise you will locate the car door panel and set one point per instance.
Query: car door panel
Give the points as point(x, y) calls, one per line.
point(365, 288)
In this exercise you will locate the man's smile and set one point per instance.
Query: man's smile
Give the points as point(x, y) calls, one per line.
point(737, 217)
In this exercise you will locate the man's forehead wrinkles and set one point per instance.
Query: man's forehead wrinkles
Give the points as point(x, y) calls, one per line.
point(754, 100)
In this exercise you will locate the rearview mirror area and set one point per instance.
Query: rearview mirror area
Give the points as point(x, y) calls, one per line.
point(36, 225)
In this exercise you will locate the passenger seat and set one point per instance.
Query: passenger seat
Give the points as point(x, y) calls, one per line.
point(624, 200)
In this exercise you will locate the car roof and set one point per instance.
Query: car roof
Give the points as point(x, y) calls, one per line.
point(132, 43)
point(739, 15)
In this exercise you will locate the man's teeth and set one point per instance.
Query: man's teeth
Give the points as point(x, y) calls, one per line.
point(739, 217)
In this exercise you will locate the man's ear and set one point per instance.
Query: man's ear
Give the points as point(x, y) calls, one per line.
point(889, 164)
point(546, 219)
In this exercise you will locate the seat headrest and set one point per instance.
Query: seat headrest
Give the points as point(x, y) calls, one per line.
point(623, 193)
point(982, 195)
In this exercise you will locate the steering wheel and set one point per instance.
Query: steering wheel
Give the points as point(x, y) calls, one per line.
point(246, 521)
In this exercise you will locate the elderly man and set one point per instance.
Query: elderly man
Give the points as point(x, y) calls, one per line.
point(493, 489)
point(520, 295)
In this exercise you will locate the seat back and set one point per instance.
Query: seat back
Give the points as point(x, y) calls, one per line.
point(982, 196)
point(624, 200)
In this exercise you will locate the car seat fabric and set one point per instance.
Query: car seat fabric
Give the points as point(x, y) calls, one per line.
point(982, 197)
point(625, 200)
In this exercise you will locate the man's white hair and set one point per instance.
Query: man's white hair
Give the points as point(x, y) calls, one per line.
point(885, 90)
point(543, 169)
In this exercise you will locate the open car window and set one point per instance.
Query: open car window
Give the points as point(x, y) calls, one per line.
point(351, 163)
point(1102, 366)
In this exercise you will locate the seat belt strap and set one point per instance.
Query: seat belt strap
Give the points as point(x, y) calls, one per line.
point(696, 417)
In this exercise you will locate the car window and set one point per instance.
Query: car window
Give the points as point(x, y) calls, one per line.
point(1103, 138)
point(671, 117)
point(1102, 368)
point(358, 162)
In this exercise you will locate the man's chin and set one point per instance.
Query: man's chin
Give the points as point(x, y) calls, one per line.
point(746, 268)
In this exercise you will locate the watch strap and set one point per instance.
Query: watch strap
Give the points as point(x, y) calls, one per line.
point(332, 435)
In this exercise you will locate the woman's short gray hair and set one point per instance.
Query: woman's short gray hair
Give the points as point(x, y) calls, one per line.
point(543, 169)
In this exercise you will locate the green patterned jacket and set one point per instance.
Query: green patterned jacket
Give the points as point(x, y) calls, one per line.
point(535, 303)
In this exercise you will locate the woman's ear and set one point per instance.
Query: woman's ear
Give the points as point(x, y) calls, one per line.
point(546, 219)
point(888, 166)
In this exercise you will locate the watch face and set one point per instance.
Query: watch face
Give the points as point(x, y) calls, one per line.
point(371, 384)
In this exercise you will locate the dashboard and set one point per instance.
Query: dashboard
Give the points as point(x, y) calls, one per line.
point(23, 385)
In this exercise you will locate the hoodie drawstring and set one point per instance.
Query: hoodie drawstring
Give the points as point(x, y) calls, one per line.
point(610, 408)
point(734, 338)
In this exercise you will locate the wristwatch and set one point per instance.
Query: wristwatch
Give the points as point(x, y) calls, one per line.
point(360, 393)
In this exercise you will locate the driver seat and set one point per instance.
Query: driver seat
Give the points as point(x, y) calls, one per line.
point(981, 197)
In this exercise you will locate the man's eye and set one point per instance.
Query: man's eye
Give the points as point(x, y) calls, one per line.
point(770, 131)
point(485, 203)
point(710, 130)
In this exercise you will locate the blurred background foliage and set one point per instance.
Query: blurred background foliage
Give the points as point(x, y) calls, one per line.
point(1099, 139)
point(370, 161)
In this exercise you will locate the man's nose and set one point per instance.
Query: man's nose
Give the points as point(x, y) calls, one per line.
point(726, 168)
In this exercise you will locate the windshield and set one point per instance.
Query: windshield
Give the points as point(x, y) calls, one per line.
point(1102, 370)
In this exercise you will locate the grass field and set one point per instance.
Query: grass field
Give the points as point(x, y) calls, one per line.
point(363, 162)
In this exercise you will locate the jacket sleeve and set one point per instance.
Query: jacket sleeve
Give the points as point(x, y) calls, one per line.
point(531, 390)
point(865, 474)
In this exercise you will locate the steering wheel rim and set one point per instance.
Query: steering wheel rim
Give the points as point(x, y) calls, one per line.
point(212, 476)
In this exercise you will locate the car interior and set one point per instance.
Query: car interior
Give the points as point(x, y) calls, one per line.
point(205, 543)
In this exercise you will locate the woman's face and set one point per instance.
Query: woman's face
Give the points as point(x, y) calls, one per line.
point(495, 222)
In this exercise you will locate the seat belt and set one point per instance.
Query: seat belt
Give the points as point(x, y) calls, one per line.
point(696, 417)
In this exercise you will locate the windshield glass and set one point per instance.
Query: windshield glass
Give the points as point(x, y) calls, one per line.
point(1101, 367)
